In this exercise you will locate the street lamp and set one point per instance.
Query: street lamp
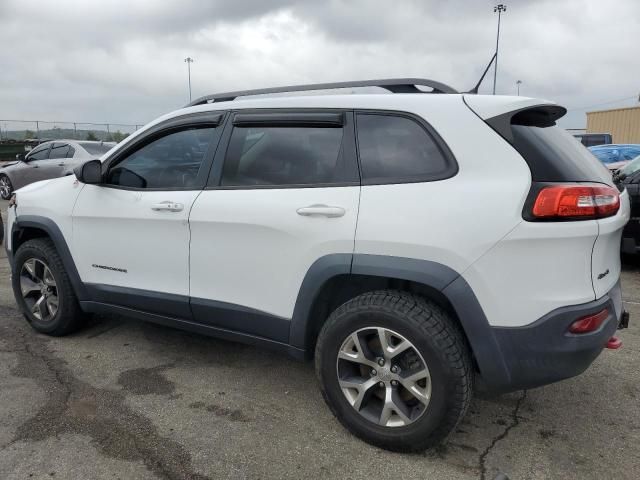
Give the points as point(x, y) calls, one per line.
point(518, 83)
point(501, 7)
point(189, 61)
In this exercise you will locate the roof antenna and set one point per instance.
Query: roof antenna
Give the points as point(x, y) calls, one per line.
point(474, 90)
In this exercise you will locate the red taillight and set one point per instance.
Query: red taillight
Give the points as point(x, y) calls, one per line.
point(571, 201)
point(589, 323)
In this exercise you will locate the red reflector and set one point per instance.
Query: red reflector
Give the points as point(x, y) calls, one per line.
point(614, 343)
point(590, 323)
point(562, 201)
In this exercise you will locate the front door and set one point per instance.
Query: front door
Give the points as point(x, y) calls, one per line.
point(131, 233)
point(284, 195)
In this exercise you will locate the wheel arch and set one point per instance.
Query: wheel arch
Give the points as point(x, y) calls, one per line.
point(28, 227)
point(335, 279)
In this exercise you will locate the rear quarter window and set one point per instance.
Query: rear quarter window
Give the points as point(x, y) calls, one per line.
point(395, 148)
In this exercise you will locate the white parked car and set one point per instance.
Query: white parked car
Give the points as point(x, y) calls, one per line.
point(414, 244)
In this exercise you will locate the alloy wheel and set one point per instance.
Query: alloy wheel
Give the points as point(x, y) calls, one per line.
point(5, 187)
point(383, 377)
point(39, 289)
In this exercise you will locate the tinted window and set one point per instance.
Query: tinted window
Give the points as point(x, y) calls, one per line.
point(284, 156)
point(96, 149)
point(72, 152)
point(394, 148)
point(59, 150)
point(631, 167)
point(554, 155)
point(39, 153)
point(171, 161)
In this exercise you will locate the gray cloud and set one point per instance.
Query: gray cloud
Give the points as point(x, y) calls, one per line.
point(123, 60)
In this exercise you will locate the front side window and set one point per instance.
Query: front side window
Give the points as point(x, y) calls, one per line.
point(265, 155)
point(397, 148)
point(59, 150)
point(39, 153)
point(171, 161)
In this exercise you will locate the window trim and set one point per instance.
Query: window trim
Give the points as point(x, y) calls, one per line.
point(209, 119)
point(452, 164)
point(348, 145)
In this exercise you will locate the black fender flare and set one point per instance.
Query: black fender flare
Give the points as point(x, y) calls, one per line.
point(442, 278)
point(55, 234)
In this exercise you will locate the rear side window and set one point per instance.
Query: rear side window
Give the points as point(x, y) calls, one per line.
point(59, 150)
point(396, 149)
point(274, 155)
point(96, 149)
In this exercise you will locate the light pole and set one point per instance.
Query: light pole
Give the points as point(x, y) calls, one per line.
point(501, 7)
point(189, 61)
point(518, 83)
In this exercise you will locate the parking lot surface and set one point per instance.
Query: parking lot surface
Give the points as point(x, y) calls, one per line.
point(129, 400)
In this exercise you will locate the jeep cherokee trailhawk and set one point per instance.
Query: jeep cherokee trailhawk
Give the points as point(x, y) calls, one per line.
point(414, 242)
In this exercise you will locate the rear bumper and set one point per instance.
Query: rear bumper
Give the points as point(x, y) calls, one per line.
point(545, 352)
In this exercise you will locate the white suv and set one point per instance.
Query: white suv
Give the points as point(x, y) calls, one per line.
point(414, 243)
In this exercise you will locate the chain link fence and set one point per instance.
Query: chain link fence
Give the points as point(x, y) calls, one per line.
point(12, 131)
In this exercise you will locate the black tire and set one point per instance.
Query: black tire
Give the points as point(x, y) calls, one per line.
point(68, 317)
point(435, 336)
point(6, 193)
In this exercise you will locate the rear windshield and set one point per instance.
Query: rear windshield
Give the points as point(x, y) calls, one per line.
point(96, 148)
point(554, 155)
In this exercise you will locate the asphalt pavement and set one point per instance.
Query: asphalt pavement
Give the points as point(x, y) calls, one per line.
point(122, 399)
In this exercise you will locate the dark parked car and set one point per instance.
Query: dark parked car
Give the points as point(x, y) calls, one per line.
point(48, 160)
point(593, 139)
point(629, 176)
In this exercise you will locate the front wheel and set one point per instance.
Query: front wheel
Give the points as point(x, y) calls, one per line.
point(43, 290)
point(395, 370)
point(6, 188)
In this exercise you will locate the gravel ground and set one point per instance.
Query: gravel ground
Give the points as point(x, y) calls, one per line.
point(127, 400)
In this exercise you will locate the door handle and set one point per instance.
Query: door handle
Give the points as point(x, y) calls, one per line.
point(321, 210)
point(61, 164)
point(167, 207)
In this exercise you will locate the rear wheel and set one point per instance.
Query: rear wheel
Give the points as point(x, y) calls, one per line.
point(6, 189)
point(395, 370)
point(43, 290)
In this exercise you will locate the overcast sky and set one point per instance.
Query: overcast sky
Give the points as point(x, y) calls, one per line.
point(122, 60)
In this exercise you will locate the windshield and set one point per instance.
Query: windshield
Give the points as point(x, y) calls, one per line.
point(632, 167)
point(97, 149)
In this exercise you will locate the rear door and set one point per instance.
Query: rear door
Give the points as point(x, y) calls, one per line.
point(281, 196)
point(58, 158)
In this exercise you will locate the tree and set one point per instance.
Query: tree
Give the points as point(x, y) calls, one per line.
point(91, 136)
point(118, 136)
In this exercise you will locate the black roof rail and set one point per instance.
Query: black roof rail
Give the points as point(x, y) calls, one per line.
point(395, 85)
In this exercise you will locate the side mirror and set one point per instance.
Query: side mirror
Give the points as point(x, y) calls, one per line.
point(20, 157)
point(89, 172)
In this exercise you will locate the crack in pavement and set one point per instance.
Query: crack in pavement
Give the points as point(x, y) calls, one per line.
point(515, 421)
point(76, 407)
